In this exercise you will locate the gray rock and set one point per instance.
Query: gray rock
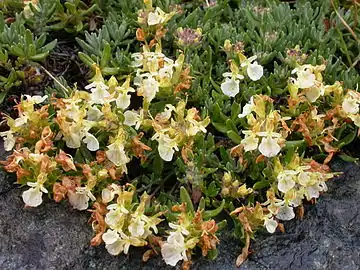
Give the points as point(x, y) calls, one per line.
point(53, 236)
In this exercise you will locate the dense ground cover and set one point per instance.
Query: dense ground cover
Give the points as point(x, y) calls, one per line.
point(171, 120)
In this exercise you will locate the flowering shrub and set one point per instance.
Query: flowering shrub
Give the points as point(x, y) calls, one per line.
point(219, 137)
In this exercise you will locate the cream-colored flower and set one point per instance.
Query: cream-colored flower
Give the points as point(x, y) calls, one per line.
point(248, 108)
point(250, 142)
point(9, 140)
point(33, 196)
point(230, 87)
point(286, 180)
point(116, 154)
point(269, 145)
point(305, 77)
point(94, 114)
point(134, 118)
point(270, 225)
point(166, 147)
point(285, 213)
point(174, 249)
point(253, 69)
point(91, 142)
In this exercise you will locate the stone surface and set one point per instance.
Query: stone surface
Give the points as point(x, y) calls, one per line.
point(54, 236)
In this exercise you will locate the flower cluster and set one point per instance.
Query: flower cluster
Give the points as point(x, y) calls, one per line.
point(126, 222)
point(270, 129)
point(189, 231)
point(239, 67)
point(174, 132)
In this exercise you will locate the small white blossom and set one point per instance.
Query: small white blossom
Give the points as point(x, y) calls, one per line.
point(99, 92)
point(250, 142)
point(94, 114)
point(286, 180)
point(248, 108)
point(270, 225)
point(285, 213)
point(116, 154)
point(269, 145)
point(305, 77)
point(230, 87)
point(174, 250)
point(166, 147)
point(133, 118)
point(80, 198)
point(253, 69)
point(91, 142)
point(33, 196)
point(9, 140)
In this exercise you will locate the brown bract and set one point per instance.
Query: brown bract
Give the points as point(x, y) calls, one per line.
point(65, 161)
point(98, 222)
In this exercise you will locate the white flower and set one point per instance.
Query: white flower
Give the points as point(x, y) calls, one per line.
point(113, 243)
point(73, 139)
point(286, 180)
point(230, 87)
point(285, 213)
point(270, 225)
point(36, 99)
point(269, 146)
point(351, 103)
point(94, 114)
point(313, 93)
point(179, 228)
point(248, 108)
point(33, 196)
point(174, 250)
point(98, 92)
point(91, 142)
point(124, 98)
point(305, 77)
point(304, 178)
point(350, 106)
point(156, 17)
point(133, 118)
point(9, 140)
point(21, 120)
point(253, 69)
point(148, 88)
point(166, 147)
point(116, 154)
point(136, 227)
point(80, 199)
point(250, 142)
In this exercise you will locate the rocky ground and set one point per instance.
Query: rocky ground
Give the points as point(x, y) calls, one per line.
point(56, 237)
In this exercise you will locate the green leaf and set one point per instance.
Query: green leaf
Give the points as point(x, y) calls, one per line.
point(185, 198)
point(213, 213)
point(212, 190)
point(348, 158)
point(86, 59)
point(231, 126)
point(106, 54)
point(201, 204)
point(234, 136)
point(220, 127)
point(261, 185)
point(39, 57)
point(3, 94)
